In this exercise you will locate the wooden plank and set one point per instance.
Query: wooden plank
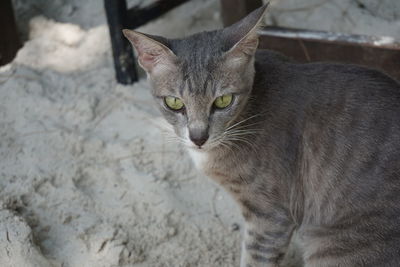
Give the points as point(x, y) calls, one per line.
point(234, 10)
point(9, 41)
point(304, 46)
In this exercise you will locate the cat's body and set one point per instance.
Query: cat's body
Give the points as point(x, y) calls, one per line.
point(327, 162)
point(312, 148)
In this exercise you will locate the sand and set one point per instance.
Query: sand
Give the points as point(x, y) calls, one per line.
point(87, 177)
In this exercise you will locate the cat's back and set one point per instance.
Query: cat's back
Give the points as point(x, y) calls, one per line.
point(330, 80)
point(327, 92)
point(348, 120)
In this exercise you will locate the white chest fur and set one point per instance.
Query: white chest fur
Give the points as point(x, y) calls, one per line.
point(199, 158)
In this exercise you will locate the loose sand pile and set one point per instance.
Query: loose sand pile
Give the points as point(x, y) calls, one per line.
point(86, 176)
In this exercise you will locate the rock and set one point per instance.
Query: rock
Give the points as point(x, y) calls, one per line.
point(17, 247)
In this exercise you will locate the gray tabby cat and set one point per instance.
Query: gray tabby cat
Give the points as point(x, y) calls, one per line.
point(312, 148)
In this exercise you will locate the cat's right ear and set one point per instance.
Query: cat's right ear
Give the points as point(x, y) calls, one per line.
point(153, 56)
point(242, 37)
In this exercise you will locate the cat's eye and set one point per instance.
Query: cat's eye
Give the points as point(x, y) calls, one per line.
point(173, 103)
point(223, 101)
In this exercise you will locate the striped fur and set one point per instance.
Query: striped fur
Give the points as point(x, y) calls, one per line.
point(306, 148)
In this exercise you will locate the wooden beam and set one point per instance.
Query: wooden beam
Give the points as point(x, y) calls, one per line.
point(234, 10)
point(305, 46)
point(141, 15)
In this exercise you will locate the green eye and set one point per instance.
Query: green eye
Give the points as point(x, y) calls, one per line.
point(173, 103)
point(223, 101)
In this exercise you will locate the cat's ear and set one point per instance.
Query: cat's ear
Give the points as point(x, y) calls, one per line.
point(242, 37)
point(153, 55)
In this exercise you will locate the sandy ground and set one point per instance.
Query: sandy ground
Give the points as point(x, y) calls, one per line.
point(87, 177)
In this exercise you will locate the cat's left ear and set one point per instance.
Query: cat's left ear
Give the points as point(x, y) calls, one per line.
point(242, 37)
point(153, 54)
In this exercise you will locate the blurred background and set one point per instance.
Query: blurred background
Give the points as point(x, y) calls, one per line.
point(87, 177)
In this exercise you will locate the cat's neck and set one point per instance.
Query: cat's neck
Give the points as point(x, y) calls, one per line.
point(199, 157)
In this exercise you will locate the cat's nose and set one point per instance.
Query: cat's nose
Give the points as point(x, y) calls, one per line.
point(199, 141)
point(198, 137)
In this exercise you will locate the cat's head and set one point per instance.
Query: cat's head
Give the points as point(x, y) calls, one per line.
point(202, 82)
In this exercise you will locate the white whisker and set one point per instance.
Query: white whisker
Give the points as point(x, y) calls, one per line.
point(242, 121)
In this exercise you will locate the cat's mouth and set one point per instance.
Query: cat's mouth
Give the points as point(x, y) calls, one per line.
point(203, 147)
point(206, 147)
point(199, 148)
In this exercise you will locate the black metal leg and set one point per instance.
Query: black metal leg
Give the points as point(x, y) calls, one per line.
point(124, 61)
point(9, 41)
point(119, 17)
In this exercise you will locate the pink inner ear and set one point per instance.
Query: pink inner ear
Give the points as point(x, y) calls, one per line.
point(249, 45)
point(148, 61)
